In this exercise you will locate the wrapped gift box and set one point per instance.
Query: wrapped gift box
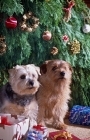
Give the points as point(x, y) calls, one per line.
point(80, 115)
point(62, 135)
point(15, 129)
point(38, 132)
point(34, 135)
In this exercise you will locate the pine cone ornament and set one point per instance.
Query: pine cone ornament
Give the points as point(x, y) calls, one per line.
point(54, 50)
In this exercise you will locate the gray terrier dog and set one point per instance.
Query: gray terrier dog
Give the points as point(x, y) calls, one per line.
point(17, 97)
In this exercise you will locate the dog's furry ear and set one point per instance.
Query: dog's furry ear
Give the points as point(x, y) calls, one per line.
point(12, 71)
point(70, 67)
point(43, 68)
point(37, 69)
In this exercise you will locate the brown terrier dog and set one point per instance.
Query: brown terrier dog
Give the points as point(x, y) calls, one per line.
point(54, 92)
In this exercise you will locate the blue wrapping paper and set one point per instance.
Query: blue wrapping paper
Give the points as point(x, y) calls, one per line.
point(80, 115)
point(34, 135)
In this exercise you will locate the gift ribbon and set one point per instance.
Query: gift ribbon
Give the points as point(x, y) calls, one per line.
point(58, 135)
point(68, 10)
point(17, 133)
point(65, 135)
point(39, 127)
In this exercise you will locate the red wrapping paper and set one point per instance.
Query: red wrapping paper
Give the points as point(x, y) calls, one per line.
point(56, 136)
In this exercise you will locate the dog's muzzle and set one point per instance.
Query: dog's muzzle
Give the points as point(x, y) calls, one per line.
point(62, 74)
point(31, 82)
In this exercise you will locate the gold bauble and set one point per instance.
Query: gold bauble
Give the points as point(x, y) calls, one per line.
point(75, 47)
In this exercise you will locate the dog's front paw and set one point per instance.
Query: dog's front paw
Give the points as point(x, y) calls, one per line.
point(41, 123)
point(63, 126)
point(60, 126)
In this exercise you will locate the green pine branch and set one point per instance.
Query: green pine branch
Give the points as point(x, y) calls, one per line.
point(11, 6)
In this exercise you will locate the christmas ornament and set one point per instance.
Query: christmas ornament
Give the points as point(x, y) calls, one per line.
point(29, 23)
point(68, 10)
point(86, 28)
point(2, 45)
point(54, 50)
point(47, 35)
point(74, 46)
point(11, 22)
point(65, 38)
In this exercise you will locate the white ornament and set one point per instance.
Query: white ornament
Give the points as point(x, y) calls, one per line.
point(86, 28)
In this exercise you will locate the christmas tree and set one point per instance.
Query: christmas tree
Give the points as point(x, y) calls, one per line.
point(33, 31)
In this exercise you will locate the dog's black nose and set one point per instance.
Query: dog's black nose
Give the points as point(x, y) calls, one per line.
point(31, 82)
point(62, 73)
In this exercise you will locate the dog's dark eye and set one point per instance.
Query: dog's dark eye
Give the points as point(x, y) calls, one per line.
point(33, 75)
point(23, 76)
point(54, 68)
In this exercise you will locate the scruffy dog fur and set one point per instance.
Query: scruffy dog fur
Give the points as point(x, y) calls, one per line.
point(54, 92)
point(17, 97)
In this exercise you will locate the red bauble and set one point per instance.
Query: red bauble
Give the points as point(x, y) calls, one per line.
point(47, 35)
point(11, 22)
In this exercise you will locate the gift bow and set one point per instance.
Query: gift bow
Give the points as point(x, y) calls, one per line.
point(65, 135)
point(39, 127)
